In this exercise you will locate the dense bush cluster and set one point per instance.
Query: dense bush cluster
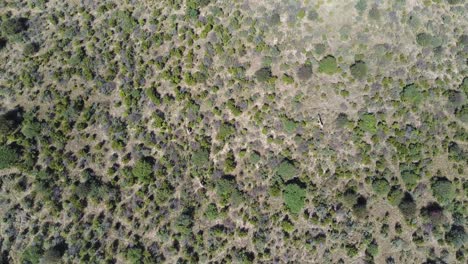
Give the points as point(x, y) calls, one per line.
point(199, 131)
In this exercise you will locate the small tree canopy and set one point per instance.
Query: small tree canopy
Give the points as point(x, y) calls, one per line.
point(294, 197)
point(286, 170)
point(8, 157)
point(328, 65)
point(359, 70)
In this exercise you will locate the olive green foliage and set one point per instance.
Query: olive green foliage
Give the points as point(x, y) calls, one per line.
point(225, 131)
point(410, 178)
point(360, 207)
point(201, 157)
point(304, 72)
point(184, 222)
point(275, 19)
point(373, 249)
point(124, 20)
point(226, 188)
point(8, 157)
point(287, 79)
point(134, 255)
point(32, 254)
point(427, 40)
point(287, 170)
point(456, 236)
point(350, 197)
point(185, 131)
point(407, 206)
point(381, 186)
point(263, 74)
point(411, 94)
point(312, 15)
point(342, 120)
point(30, 48)
point(142, 171)
point(255, 157)
point(395, 195)
point(153, 95)
point(289, 125)
point(462, 113)
point(358, 70)
point(455, 152)
point(361, 6)
point(294, 197)
point(31, 127)
point(443, 190)
point(6, 126)
point(368, 123)
point(230, 162)
point(211, 211)
point(51, 256)
point(328, 65)
point(374, 13)
point(14, 25)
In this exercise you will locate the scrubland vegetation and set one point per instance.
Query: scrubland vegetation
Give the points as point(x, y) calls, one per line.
point(202, 131)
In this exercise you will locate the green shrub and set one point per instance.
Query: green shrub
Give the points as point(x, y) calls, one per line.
point(455, 152)
point(30, 49)
point(358, 70)
point(294, 197)
point(361, 6)
point(263, 74)
point(143, 171)
point(226, 187)
point(289, 125)
point(183, 224)
point(235, 110)
point(407, 206)
point(8, 157)
point(32, 255)
point(255, 157)
point(153, 95)
point(368, 123)
point(134, 255)
point(211, 211)
point(410, 178)
point(6, 126)
point(201, 157)
point(225, 131)
point(14, 26)
point(381, 186)
point(31, 128)
point(427, 40)
point(350, 197)
point(372, 249)
point(395, 195)
point(411, 94)
point(374, 13)
point(462, 113)
point(328, 65)
point(304, 72)
point(275, 19)
point(312, 15)
point(287, 79)
point(286, 170)
point(230, 162)
point(342, 120)
point(443, 190)
point(456, 236)
point(464, 84)
point(360, 207)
